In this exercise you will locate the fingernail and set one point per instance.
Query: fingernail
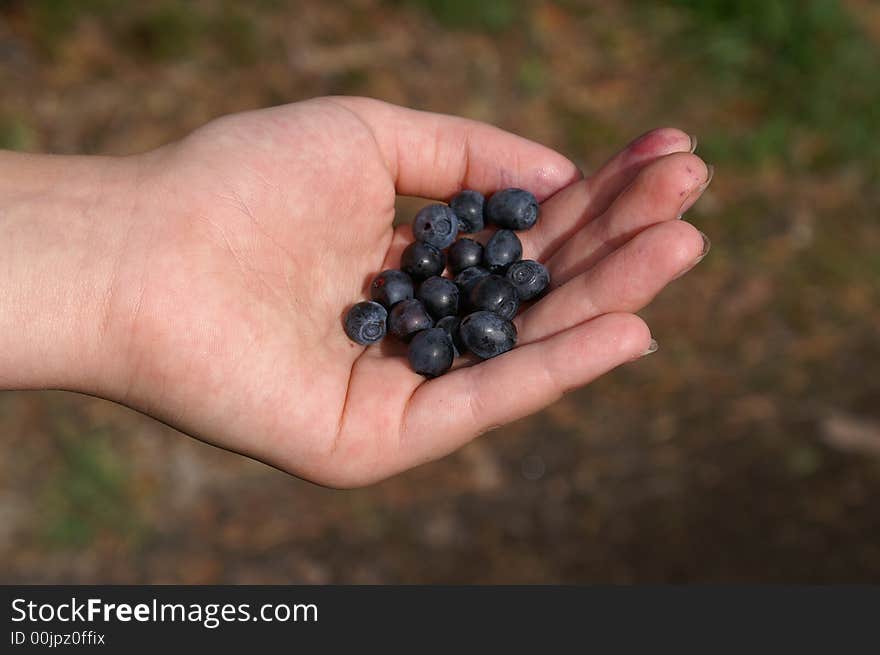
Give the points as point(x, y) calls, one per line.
point(707, 245)
point(711, 173)
point(652, 348)
point(694, 142)
point(696, 193)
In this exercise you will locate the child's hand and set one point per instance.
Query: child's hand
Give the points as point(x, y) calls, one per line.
point(212, 276)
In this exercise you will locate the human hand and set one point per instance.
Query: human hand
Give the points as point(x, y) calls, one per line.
point(222, 285)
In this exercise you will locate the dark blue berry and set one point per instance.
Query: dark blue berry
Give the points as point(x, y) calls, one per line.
point(431, 352)
point(513, 209)
point(501, 251)
point(466, 281)
point(408, 317)
point(436, 225)
point(365, 322)
point(390, 287)
point(422, 260)
point(486, 334)
point(494, 293)
point(468, 206)
point(463, 254)
point(450, 324)
point(439, 296)
point(529, 277)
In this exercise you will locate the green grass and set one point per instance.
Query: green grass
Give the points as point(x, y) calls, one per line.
point(796, 70)
point(794, 87)
point(88, 495)
point(236, 33)
point(583, 130)
point(486, 15)
point(15, 134)
point(532, 75)
point(169, 31)
point(54, 19)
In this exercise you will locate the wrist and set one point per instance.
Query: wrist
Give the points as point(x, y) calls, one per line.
point(62, 236)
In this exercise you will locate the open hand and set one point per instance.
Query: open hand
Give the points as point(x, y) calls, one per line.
point(248, 240)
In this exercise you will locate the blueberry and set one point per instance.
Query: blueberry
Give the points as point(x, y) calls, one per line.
point(431, 352)
point(422, 260)
point(486, 334)
point(494, 293)
point(439, 296)
point(408, 317)
point(463, 254)
point(450, 324)
point(436, 225)
point(365, 322)
point(390, 287)
point(513, 209)
point(529, 277)
point(466, 281)
point(468, 206)
point(501, 251)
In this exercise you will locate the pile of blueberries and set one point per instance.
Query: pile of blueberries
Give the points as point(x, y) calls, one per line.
point(440, 317)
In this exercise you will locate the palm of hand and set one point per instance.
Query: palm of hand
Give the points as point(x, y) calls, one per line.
point(262, 228)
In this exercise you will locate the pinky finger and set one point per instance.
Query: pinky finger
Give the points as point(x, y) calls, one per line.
point(445, 413)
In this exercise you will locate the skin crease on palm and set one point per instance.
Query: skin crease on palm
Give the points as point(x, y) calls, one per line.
point(212, 275)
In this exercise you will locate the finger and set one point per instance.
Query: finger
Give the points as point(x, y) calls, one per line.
point(435, 156)
point(658, 194)
point(449, 411)
point(625, 281)
point(575, 206)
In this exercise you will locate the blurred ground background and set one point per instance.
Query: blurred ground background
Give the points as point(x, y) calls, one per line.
point(747, 449)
